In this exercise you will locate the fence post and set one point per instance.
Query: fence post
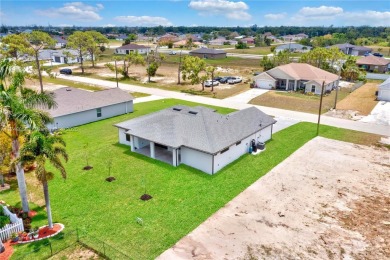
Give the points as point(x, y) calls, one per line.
point(77, 234)
point(104, 250)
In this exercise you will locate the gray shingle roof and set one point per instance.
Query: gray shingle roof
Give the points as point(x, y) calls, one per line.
point(344, 46)
point(132, 46)
point(296, 46)
point(206, 130)
point(73, 100)
point(207, 51)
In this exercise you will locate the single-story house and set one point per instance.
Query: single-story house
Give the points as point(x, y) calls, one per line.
point(196, 136)
point(384, 91)
point(77, 107)
point(296, 76)
point(353, 50)
point(68, 56)
point(248, 40)
point(293, 47)
point(167, 38)
point(183, 43)
point(373, 63)
point(295, 37)
point(208, 53)
point(222, 41)
point(126, 49)
point(60, 42)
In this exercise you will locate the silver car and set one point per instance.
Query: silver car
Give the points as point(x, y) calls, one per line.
point(234, 80)
point(209, 83)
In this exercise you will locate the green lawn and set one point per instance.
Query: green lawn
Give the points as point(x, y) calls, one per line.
point(182, 197)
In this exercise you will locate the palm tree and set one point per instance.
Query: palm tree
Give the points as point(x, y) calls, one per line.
point(20, 113)
point(39, 148)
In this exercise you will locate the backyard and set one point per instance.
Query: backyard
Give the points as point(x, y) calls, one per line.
point(182, 197)
point(299, 102)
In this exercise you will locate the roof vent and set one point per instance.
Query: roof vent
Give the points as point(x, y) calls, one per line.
point(177, 109)
point(193, 112)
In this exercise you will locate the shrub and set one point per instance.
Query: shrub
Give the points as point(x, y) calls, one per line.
point(4, 220)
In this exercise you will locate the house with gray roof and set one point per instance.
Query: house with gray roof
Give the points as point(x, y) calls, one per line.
point(77, 107)
point(207, 53)
point(196, 136)
point(292, 47)
point(353, 50)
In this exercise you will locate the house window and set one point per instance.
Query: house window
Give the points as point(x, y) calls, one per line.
point(238, 143)
point(99, 112)
point(313, 88)
point(127, 138)
point(225, 150)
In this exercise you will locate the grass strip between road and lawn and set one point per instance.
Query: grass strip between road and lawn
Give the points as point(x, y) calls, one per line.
point(183, 197)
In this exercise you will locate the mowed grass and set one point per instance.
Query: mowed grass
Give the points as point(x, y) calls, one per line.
point(182, 197)
point(362, 99)
point(255, 50)
point(299, 102)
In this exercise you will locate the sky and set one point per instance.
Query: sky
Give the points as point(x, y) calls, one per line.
point(196, 13)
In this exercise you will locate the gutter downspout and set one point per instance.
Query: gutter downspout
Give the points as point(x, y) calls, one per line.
point(212, 166)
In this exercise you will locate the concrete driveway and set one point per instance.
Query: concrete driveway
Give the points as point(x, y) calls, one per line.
point(379, 115)
point(246, 96)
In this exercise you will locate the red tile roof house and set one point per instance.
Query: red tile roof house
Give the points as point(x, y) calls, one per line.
point(126, 49)
point(373, 64)
point(296, 76)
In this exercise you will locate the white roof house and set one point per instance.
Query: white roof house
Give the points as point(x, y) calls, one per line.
point(196, 136)
point(77, 107)
point(126, 49)
point(295, 76)
point(384, 91)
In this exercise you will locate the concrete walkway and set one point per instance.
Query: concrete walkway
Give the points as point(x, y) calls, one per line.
point(300, 116)
point(246, 96)
point(147, 99)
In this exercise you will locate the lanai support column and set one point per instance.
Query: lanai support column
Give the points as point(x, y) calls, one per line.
point(287, 82)
point(132, 143)
point(174, 157)
point(152, 150)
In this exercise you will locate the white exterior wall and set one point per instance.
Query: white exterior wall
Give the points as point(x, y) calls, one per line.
point(236, 151)
point(122, 136)
point(319, 87)
point(140, 142)
point(140, 51)
point(384, 94)
point(89, 116)
point(199, 160)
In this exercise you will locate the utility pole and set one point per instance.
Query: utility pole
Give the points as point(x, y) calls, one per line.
point(179, 70)
point(116, 75)
point(319, 111)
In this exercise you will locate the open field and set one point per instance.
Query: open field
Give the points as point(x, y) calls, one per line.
point(384, 50)
point(363, 99)
point(255, 50)
point(108, 211)
point(335, 207)
point(299, 102)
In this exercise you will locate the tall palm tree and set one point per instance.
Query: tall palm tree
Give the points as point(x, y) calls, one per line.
point(20, 113)
point(39, 148)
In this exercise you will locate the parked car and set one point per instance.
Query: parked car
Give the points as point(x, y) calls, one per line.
point(225, 79)
point(66, 71)
point(234, 80)
point(209, 83)
point(172, 53)
point(217, 78)
point(377, 54)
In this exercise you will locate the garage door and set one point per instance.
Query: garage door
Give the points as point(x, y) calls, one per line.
point(265, 84)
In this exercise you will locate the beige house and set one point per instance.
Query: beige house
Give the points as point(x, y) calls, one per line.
point(295, 76)
point(373, 64)
point(126, 49)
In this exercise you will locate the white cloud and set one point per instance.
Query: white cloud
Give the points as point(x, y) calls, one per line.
point(373, 18)
point(109, 25)
point(320, 11)
point(143, 20)
point(232, 10)
point(275, 16)
point(76, 11)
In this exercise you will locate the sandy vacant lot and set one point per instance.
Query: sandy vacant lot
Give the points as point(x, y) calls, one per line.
point(329, 200)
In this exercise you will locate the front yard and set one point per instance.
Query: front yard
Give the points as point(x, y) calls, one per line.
point(299, 102)
point(182, 196)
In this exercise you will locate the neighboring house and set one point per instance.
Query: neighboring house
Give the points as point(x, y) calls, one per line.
point(183, 43)
point(77, 107)
point(373, 64)
point(60, 42)
point(222, 41)
point(126, 49)
point(68, 56)
point(295, 37)
point(121, 37)
point(208, 53)
point(296, 76)
point(352, 50)
point(196, 136)
point(293, 47)
point(248, 40)
point(384, 91)
point(167, 38)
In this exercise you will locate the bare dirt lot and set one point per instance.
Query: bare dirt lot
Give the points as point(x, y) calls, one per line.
point(328, 200)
